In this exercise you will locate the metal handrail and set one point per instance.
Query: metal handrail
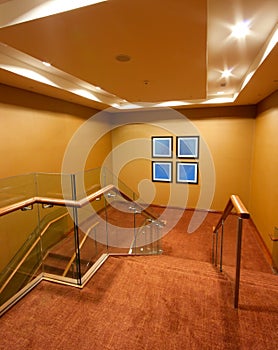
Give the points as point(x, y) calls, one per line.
point(234, 203)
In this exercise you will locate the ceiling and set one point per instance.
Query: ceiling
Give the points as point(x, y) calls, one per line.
point(129, 54)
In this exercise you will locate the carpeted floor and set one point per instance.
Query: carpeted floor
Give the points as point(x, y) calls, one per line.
point(174, 301)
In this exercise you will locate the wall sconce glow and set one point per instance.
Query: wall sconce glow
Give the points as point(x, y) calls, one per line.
point(241, 29)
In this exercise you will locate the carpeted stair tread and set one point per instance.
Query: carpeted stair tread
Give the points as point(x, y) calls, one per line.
point(258, 279)
point(206, 270)
point(177, 265)
point(55, 263)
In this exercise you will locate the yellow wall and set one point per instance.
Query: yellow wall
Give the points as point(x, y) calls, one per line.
point(230, 141)
point(264, 190)
point(35, 131)
point(228, 137)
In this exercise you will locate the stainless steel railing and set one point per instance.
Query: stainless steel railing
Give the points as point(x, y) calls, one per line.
point(234, 203)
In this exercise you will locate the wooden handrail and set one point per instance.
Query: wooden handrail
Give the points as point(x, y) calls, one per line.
point(54, 201)
point(233, 203)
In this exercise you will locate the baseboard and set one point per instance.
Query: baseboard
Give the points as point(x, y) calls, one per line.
point(262, 244)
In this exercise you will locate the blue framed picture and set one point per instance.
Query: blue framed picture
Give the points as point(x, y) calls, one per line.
point(162, 171)
point(187, 172)
point(188, 147)
point(162, 146)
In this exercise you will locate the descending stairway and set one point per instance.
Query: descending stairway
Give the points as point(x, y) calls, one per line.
point(252, 283)
point(150, 302)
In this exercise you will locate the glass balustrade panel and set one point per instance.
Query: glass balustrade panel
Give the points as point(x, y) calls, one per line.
point(58, 243)
point(16, 189)
point(20, 250)
point(148, 233)
point(54, 185)
point(92, 233)
point(120, 217)
point(88, 182)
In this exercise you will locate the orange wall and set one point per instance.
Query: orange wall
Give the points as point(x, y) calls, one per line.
point(264, 190)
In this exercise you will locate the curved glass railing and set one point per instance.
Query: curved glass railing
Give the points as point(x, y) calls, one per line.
point(62, 227)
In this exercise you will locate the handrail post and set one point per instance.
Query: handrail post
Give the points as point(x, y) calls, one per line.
point(238, 260)
point(76, 231)
point(216, 248)
point(212, 251)
point(221, 245)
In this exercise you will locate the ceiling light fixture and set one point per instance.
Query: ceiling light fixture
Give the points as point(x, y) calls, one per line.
point(241, 29)
point(226, 73)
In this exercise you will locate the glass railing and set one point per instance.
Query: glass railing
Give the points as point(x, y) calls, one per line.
point(63, 227)
point(20, 251)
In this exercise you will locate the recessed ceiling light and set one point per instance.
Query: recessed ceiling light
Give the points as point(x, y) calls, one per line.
point(241, 29)
point(226, 73)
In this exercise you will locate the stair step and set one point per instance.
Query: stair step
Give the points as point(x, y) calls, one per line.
point(55, 263)
point(259, 279)
point(180, 265)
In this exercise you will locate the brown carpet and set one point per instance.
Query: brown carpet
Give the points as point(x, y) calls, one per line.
point(174, 301)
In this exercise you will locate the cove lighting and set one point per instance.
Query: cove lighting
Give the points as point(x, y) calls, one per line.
point(17, 11)
point(28, 73)
point(47, 64)
point(271, 44)
point(241, 29)
point(85, 94)
point(172, 104)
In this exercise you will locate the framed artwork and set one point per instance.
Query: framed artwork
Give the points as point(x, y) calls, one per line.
point(162, 147)
point(162, 171)
point(188, 147)
point(187, 172)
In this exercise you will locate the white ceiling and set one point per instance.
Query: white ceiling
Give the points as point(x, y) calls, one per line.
point(177, 50)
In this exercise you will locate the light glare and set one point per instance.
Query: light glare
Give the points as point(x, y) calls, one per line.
point(226, 73)
point(241, 29)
